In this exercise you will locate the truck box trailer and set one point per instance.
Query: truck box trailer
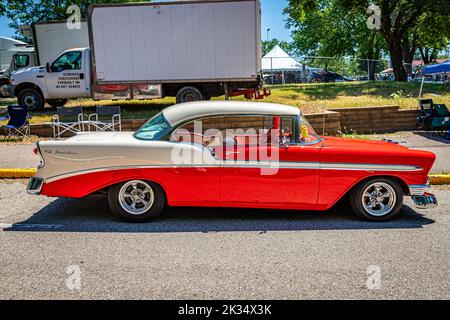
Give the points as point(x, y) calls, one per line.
point(191, 50)
point(53, 37)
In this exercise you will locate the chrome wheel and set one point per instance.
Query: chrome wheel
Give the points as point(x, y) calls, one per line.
point(136, 197)
point(379, 199)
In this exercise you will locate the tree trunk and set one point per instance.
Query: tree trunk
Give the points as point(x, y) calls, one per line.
point(395, 49)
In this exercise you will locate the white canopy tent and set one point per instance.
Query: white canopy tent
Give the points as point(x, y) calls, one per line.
point(277, 60)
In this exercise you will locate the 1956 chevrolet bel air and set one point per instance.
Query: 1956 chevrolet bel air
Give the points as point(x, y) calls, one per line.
point(233, 154)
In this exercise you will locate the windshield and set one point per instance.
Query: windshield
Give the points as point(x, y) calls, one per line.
point(154, 129)
point(307, 133)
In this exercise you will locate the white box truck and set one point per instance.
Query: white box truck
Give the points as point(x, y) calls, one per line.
point(191, 50)
point(49, 40)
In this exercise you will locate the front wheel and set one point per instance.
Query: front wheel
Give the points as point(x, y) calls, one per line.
point(378, 199)
point(136, 200)
point(31, 98)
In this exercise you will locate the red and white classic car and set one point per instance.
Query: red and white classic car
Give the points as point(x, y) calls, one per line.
point(233, 154)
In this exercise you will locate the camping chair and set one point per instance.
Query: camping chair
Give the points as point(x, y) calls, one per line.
point(423, 121)
point(68, 119)
point(18, 124)
point(106, 118)
point(440, 117)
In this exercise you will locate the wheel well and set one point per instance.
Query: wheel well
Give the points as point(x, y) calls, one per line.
point(26, 85)
point(400, 181)
point(105, 189)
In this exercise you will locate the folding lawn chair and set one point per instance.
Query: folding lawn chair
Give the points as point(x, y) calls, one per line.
point(106, 118)
point(18, 124)
point(68, 119)
point(441, 117)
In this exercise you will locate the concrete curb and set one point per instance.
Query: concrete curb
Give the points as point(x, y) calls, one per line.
point(18, 173)
point(439, 179)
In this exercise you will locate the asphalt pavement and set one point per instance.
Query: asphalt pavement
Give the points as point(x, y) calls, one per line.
point(70, 249)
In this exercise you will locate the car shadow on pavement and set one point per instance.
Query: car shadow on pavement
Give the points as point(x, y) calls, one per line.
point(438, 137)
point(92, 214)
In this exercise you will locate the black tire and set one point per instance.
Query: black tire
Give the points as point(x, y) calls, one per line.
point(189, 94)
point(388, 186)
point(154, 211)
point(32, 98)
point(57, 103)
point(4, 90)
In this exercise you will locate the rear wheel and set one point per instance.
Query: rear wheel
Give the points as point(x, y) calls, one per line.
point(136, 200)
point(57, 103)
point(31, 98)
point(189, 94)
point(378, 199)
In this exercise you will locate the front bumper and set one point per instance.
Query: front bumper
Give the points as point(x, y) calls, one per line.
point(35, 185)
point(422, 198)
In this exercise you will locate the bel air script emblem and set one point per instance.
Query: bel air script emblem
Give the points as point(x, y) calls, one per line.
point(60, 152)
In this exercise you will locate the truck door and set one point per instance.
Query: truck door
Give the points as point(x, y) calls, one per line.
point(66, 77)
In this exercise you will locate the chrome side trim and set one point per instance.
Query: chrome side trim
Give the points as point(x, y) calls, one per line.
point(369, 167)
point(251, 164)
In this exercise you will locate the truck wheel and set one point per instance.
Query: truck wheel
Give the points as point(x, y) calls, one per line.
point(57, 103)
point(4, 90)
point(378, 199)
point(137, 200)
point(32, 98)
point(188, 94)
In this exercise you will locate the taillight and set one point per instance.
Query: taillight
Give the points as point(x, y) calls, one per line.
point(36, 151)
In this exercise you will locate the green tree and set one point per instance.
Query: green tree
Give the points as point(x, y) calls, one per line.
point(400, 26)
point(325, 28)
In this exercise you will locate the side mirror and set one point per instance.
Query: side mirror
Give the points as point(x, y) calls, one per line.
point(48, 68)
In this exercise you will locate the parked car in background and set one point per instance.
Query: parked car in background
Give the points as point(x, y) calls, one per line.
point(326, 76)
point(213, 48)
point(194, 155)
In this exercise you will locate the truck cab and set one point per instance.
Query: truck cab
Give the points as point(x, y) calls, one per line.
point(20, 60)
point(68, 76)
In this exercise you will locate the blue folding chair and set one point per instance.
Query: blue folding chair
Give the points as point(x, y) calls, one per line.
point(18, 124)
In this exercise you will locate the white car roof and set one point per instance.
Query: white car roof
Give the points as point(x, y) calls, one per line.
point(193, 110)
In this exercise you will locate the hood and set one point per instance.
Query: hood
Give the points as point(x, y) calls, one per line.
point(30, 69)
point(358, 144)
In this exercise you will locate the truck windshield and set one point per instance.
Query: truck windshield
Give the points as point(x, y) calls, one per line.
point(154, 129)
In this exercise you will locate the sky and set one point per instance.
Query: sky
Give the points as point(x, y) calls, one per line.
point(272, 17)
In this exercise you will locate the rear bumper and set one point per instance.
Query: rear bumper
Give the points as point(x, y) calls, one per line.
point(421, 197)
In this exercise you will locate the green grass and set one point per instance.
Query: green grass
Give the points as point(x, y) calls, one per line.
point(310, 98)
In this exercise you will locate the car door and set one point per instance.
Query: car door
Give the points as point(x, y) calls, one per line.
point(67, 76)
point(292, 183)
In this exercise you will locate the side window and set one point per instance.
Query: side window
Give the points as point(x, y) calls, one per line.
point(224, 130)
point(287, 130)
point(68, 61)
point(21, 61)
